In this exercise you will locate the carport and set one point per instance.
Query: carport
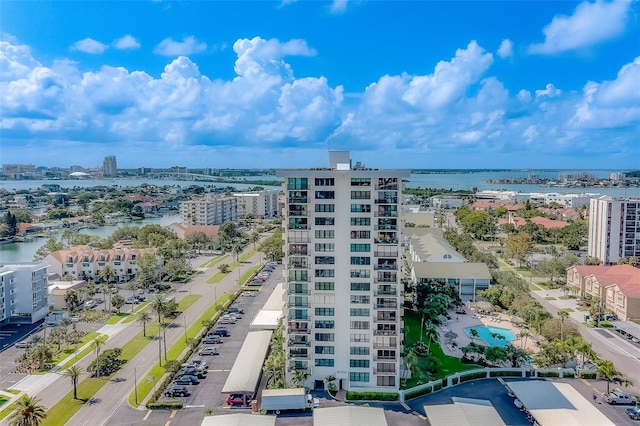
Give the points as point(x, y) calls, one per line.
point(269, 316)
point(464, 412)
point(349, 416)
point(627, 328)
point(245, 373)
point(239, 420)
point(557, 404)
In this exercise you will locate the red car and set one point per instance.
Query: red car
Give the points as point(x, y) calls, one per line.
point(235, 399)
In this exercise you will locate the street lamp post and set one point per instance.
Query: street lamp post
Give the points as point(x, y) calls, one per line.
point(186, 338)
point(135, 385)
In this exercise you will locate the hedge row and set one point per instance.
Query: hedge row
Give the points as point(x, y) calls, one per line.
point(372, 396)
point(505, 373)
point(417, 393)
point(473, 376)
point(165, 406)
point(585, 375)
point(548, 374)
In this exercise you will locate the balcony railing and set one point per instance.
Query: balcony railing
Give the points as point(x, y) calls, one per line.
point(385, 241)
point(298, 266)
point(299, 343)
point(390, 345)
point(390, 213)
point(298, 279)
point(298, 214)
point(299, 239)
point(386, 267)
point(384, 254)
point(299, 368)
point(299, 304)
point(387, 187)
point(298, 253)
point(292, 330)
point(384, 358)
point(386, 293)
point(298, 227)
point(384, 319)
point(386, 305)
point(387, 201)
point(384, 227)
point(385, 279)
point(384, 332)
point(306, 292)
point(384, 371)
point(298, 200)
point(298, 356)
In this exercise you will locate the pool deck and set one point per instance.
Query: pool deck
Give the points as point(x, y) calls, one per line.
point(458, 323)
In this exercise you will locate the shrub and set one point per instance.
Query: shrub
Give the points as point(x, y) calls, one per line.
point(588, 375)
point(505, 373)
point(417, 393)
point(164, 406)
point(372, 396)
point(548, 374)
point(473, 376)
point(437, 386)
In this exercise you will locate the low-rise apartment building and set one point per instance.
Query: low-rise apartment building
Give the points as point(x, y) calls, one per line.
point(23, 292)
point(212, 209)
point(617, 287)
point(259, 203)
point(85, 262)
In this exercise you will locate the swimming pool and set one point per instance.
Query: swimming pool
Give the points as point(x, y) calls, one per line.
point(484, 333)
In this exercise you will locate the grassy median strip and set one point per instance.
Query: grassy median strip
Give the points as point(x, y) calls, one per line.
point(117, 317)
point(86, 339)
point(148, 383)
point(213, 261)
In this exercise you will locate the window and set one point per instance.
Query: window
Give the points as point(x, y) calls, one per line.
point(325, 195)
point(330, 233)
point(359, 350)
point(325, 208)
point(324, 312)
point(297, 183)
point(325, 273)
point(359, 377)
point(325, 221)
point(359, 325)
point(359, 363)
point(360, 221)
point(360, 286)
point(324, 181)
point(360, 299)
point(359, 260)
point(359, 312)
point(325, 286)
point(355, 337)
point(360, 181)
point(326, 350)
point(360, 195)
point(360, 273)
point(360, 234)
point(325, 247)
point(360, 248)
point(325, 337)
point(325, 324)
point(360, 208)
point(324, 362)
point(325, 260)
point(386, 381)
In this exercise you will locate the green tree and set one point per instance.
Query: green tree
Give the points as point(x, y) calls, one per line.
point(23, 215)
point(575, 234)
point(563, 315)
point(52, 245)
point(519, 247)
point(477, 223)
point(107, 274)
point(148, 270)
point(144, 318)
point(607, 371)
point(473, 334)
point(97, 344)
point(74, 372)
point(159, 306)
point(27, 411)
point(255, 237)
point(72, 300)
point(117, 301)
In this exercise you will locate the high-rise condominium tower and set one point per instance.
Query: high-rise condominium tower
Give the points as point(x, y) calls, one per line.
point(342, 273)
point(109, 166)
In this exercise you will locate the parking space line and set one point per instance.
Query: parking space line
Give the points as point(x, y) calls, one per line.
point(147, 416)
point(218, 371)
point(173, 414)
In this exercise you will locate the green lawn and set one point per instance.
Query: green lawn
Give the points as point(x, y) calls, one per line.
point(60, 413)
point(447, 364)
point(248, 274)
point(117, 317)
point(69, 351)
point(3, 400)
point(567, 310)
point(147, 383)
point(549, 298)
point(213, 261)
point(534, 287)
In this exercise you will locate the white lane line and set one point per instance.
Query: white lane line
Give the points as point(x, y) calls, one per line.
point(147, 416)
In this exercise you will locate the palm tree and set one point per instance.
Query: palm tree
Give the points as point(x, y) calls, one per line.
point(107, 274)
point(431, 333)
point(523, 335)
point(73, 373)
point(27, 412)
point(563, 315)
point(255, 237)
point(298, 378)
point(473, 334)
point(144, 318)
point(607, 371)
point(42, 354)
point(97, 344)
point(159, 306)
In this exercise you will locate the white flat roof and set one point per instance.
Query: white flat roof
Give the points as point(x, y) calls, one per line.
point(557, 404)
point(464, 412)
point(266, 320)
point(275, 302)
point(239, 420)
point(246, 370)
point(349, 416)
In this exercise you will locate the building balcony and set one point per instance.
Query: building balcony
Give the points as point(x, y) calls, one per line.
point(299, 343)
point(298, 265)
point(387, 187)
point(386, 267)
point(385, 345)
point(298, 279)
point(384, 358)
point(299, 305)
point(294, 227)
point(386, 293)
point(296, 355)
point(384, 371)
point(385, 319)
point(384, 254)
point(385, 240)
point(385, 227)
point(387, 201)
point(390, 213)
point(292, 239)
point(292, 330)
point(299, 368)
point(298, 252)
point(306, 292)
point(385, 279)
point(385, 333)
point(387, 305)
point(298, 214)
point(297, 200)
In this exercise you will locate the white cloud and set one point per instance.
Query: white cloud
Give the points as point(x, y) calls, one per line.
point(89, 45)
point(338, 6)
point(506, 49)
point(524, 96)
point(188, 46)
point(127, 42)
point(590, 24)
point(549, 91)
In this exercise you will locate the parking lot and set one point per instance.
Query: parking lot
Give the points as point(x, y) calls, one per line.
point(207, 393)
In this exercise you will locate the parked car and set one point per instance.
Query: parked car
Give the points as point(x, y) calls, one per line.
point(619, 397)
point(208, 350)
point(176, 390)
point(235, 399)
point(131, 300)
point(23, 344)
point(139, 291)
point(227, 319)
point(200, 363)
point(75, 318)
point(140, 297)
point(212, 339)
point(221, 331)
point(90, 304)
point(634, 412)
point(235, 310)
point(187, 380)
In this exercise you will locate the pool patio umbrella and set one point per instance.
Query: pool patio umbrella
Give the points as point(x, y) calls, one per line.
point(450, 335)
point(484, 307)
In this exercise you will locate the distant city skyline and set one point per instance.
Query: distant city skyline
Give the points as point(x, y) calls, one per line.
point(421, 85)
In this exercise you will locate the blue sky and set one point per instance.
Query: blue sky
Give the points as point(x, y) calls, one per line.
point(415, 84)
